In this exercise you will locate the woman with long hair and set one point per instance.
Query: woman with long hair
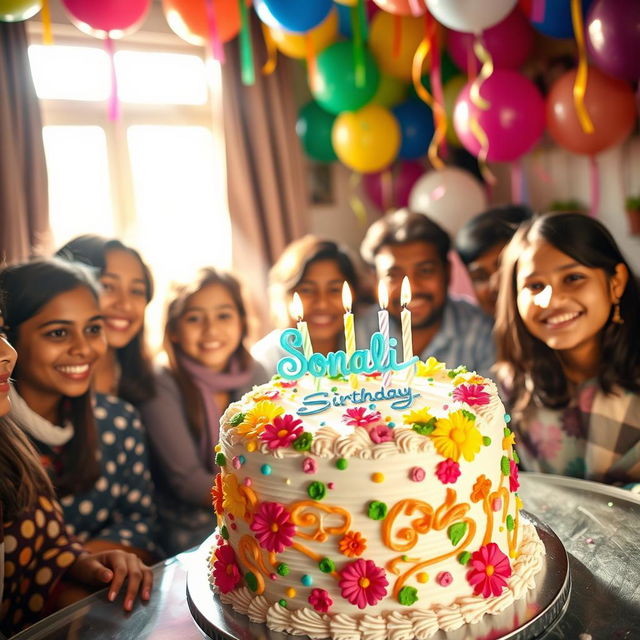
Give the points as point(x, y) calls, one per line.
point(569, 351)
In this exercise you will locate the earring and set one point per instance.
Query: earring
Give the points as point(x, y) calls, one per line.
point(617, 318)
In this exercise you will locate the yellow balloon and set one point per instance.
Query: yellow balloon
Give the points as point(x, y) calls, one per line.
point(367, 140)
point(294, 45)
point(382, 41)
point(450, 93)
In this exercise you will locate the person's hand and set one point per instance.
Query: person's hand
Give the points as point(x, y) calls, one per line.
point(114, 566)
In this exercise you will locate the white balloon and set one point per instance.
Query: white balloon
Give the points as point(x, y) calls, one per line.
point(472, 16)
point(450, 196)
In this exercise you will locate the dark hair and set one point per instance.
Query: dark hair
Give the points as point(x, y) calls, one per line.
point(488, 229)
point(28, 287)
point(182, 293)
point(136, 382)
point(291, 267)
point(402, 226)
point(22, 477)
point(530, 368)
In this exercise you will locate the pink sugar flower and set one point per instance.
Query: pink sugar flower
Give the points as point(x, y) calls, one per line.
point(514, 482)
point(489, 571)
point(380, 433)
point(320, 600)
point(282, 432)
point(226, 572)
point(309, 465)
point(360, 417)
point(473, 394)
point(417, 474)
point(362, 583)
point(273, 527)
point(448, 471)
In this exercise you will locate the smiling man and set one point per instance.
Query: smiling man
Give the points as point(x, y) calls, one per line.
point(452, 330)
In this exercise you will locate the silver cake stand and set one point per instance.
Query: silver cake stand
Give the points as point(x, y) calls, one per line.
point(526, 619)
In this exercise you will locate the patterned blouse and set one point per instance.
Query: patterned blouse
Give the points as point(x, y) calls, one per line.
point(596, 437)
point(119, 507)
point(38, 550)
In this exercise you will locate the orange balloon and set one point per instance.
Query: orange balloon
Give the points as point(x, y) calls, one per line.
point(189, 20)
point(609, 102)
point(294, 45)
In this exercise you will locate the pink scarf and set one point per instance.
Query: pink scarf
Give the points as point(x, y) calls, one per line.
point(209, 382)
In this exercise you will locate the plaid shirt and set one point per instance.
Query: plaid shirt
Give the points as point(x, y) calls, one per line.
point(597, 437)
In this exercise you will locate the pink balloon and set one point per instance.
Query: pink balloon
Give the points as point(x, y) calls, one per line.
point(102, 18)
point(514, 121)
point(390, 189)
point(509, 42)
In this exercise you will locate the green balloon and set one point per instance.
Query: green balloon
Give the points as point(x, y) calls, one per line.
point(18, 10)
point(314, 130)
point(391, 91)
point(336, 87)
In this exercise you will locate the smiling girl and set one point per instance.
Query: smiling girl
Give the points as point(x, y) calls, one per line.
point(208, 367)
point(92, 446)
point(127, 288)
point(569, 349)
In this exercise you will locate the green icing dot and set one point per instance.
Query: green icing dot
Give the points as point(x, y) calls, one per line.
point(282, 569)
point(486, 441)
point(464, 557)
point(407, 596)
point(251, 580)
point(282, 603)
point(342, 464)
point(221, 459)
point(327, 565)
point(237, 419)
point(317, 490)
point(507, 432)
point(510, 523)
point(516, 457)
point(303, 442)
point(377, 510)
point(504, 466)
point(224, 532)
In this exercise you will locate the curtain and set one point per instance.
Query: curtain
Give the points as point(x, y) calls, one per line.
point(266, 178)
point(24, 217)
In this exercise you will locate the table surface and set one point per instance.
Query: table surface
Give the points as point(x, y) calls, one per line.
point(598, 525)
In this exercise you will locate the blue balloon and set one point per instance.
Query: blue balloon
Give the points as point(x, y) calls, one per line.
point(416, 127)
point(344, 20)
point(298, 16)
point(556, 21)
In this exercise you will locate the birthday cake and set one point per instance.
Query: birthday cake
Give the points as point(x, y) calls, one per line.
point(359, 503)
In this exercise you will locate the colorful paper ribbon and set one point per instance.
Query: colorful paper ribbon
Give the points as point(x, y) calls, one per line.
point(247, 70)
point(272, 51)
point(217, 50)
point(358, 26)
point(312, 66)
point(580, 84)
point(355, 202)
point(440, 120)
point(114, 102)
point(47, 33)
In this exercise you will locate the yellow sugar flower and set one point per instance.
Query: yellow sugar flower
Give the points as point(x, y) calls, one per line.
point(469, 377)
point(233, 500)
point(422, 415)
point(457, 435)
point(255, 419)
point(509, 441)
point(429, 368)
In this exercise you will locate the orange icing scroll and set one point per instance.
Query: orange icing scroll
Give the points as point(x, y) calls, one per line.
point(251, 557)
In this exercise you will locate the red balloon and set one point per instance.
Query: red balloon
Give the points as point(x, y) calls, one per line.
point(189, 20)
point(609, 102)
point(390, 189)
point(112, 18)
point(509, 42)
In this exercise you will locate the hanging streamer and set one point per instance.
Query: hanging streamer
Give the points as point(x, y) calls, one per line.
point(476, 98)
point(246, 51)
point(47, 33)
point(419, 57)
point(594, 180)
point(439, 112)
point(114, 102)
point(358, 26)
point(272, 51)
point(355, 201)
point(580, 84)
point(217, 50)
point(397, 35)
point(416, 8)
point(517, 181)
point(312, 67)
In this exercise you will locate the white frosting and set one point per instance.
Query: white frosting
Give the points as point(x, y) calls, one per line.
point(380, 472)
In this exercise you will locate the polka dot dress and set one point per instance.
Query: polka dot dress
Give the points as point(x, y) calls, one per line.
point(38, 551)
point(119, 506)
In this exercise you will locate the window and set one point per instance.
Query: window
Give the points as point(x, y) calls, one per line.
point(153, 178)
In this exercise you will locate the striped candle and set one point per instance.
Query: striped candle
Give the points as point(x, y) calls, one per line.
point(405, 320)
point(349, 331)
point(383, 324)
